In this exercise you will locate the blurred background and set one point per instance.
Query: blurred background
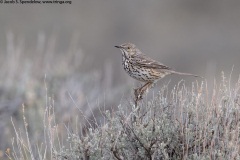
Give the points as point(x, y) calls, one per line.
point(66, 52)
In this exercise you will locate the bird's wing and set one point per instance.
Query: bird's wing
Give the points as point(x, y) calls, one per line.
point(144, 61)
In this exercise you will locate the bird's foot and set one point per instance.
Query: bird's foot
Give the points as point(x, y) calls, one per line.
point(138, 94)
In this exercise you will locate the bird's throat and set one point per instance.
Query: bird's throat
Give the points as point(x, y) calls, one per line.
point(124, 54)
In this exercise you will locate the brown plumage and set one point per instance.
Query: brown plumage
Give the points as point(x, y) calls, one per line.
point(142, 68)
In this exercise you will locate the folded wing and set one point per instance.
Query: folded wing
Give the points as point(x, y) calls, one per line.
point(144, 61)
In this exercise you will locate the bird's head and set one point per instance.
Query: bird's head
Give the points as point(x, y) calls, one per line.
point(128, 49)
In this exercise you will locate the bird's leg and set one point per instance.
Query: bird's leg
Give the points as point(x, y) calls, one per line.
point(140, 91)
point(145, 87)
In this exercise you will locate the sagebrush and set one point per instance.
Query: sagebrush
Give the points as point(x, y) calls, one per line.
point(183, 123)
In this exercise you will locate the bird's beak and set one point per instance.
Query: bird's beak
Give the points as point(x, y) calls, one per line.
point(118, 46)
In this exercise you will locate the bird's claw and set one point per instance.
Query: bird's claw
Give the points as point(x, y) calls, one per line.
point(138, 94)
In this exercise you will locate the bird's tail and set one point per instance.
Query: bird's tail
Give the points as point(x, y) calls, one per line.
point(186, 74)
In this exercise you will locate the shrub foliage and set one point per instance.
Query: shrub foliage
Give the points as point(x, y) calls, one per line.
point(182, 123)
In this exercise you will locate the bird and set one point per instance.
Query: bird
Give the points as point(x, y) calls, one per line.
point(143, 68)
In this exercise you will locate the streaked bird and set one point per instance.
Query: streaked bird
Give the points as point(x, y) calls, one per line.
point(142, 68)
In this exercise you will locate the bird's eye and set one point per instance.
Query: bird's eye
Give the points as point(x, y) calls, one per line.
point(128, 47)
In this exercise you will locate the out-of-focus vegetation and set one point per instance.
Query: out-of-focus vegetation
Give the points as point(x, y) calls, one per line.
point(31, 77)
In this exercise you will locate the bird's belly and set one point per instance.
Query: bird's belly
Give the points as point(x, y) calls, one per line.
point(143, 74)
